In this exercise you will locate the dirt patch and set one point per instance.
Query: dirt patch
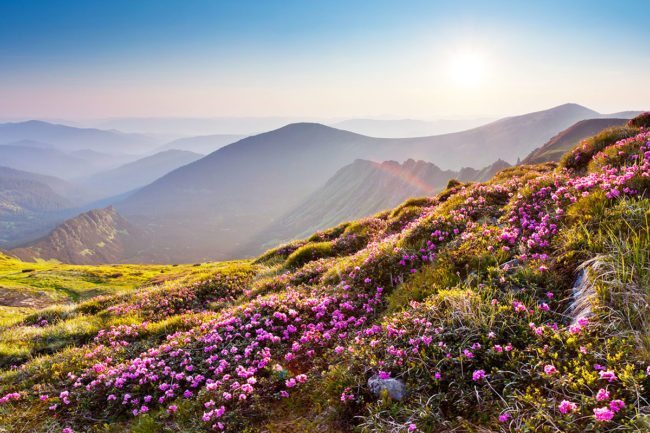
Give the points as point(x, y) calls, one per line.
point(16, 298)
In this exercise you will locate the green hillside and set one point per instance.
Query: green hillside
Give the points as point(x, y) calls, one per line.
point(521, 304)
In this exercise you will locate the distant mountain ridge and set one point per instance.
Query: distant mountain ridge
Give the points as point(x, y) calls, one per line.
point(70, 138)
point(136, 174)
point(204, 144)
point(23, 193)
point(400, 128)
point(47, 160)
point(209, 208)
point(32, 204)
point(570, 137)
point(361, 189)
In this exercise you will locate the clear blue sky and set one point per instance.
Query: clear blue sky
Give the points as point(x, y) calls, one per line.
point(426, 59)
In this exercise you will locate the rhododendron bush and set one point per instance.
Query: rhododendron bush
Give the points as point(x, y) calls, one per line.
point(468, 298)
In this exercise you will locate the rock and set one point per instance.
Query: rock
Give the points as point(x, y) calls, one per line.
point(510, 264)
point(395, 388)
point(581, 294)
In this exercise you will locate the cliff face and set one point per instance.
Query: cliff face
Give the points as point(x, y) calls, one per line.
point(93, 237)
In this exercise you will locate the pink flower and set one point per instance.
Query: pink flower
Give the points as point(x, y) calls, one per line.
point(504, 417)
point(602, 394)
point(172, 408)
point(603, 414)
point(608, 375)
point(549, 369)
point(478, 375)
point(412, 427)
point(384, 375)
point(290, 383)
point(566, 406)
point(67, 430)
point(301, 378)
point(616, 405)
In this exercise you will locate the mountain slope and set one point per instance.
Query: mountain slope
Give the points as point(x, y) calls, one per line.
point(64, 188)
point(205, 206)
point(70, 138)
point(136, 174)
point(32, 204)
point(519, 304)
point(24, 193)
point(94, 237)
point(400, 128)
point(41, 160)
point(203, 144)
point(567, 139)
point(507, 139)
point(210, 207)
point(47, 160)
point(359, 190)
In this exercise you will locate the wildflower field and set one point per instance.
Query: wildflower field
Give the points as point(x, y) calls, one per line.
point(520, 304)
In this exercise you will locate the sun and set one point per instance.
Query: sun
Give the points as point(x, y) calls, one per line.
point(467, 68)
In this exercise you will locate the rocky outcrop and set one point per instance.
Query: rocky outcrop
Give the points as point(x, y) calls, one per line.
point(395, 388)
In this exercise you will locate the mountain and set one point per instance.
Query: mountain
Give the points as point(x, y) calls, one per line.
point(33, 157)
point(69, 138)
point(507, 139)
point(209, 208)
point(184, 126)
point(23, 193)
point(202, 144)
point(398, 128)
point(42, 160)
point(518, 304)
point(361, 189)
point(96, 236)
point(567, 139)
point(32, 204)
point(136, 174)
point(622, 114)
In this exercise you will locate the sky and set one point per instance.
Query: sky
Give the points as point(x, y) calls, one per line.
point(332, 59)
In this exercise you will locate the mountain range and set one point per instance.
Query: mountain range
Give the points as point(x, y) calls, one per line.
point(283, 183)
point(209, 207)
point(69, 138)
point(203, 144)
point(567, 139)
point(360, 189)
point(136, 174)
point(399, 128)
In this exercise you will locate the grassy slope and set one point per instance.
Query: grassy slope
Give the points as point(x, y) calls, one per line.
point(466, 297)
